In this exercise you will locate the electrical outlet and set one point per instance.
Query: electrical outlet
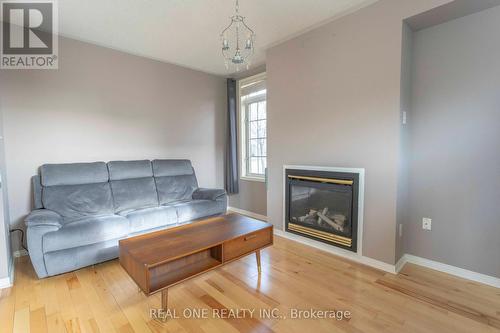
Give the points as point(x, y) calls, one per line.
point(426, 223)
point(404, 117)
point(400, 230)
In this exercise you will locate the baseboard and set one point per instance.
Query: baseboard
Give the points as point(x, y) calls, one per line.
point(394, 269)
point(20, 253)
point(400, 264)
point(452, 270)
point(248, 213)
point(338, 252)
point(8, 281)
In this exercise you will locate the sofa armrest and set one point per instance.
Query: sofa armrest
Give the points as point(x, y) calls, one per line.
point(43, 217)
point(208, 194)
point(39, 223)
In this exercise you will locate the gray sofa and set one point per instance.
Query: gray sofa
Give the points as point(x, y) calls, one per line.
point(82, 210)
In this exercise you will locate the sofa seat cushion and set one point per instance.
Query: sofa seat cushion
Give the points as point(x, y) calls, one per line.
point(195, 209)
point(86, 231)
point(150, 218)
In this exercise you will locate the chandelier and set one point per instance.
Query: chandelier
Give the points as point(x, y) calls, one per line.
point(237, 42)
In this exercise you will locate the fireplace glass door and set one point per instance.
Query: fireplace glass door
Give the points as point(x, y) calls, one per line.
point(321, 206)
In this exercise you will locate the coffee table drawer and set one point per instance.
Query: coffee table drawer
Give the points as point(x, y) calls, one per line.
point(247, 244)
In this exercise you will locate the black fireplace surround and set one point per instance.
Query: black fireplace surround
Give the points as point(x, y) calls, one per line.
point(323, 205)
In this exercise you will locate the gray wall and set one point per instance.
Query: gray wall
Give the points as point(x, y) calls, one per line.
point(252, 197)
point(455, 142)
point(106, 105)
point(334, 100)
point(402, 208)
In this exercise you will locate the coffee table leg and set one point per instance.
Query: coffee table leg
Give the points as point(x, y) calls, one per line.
point(164, 299)
point(257, 255)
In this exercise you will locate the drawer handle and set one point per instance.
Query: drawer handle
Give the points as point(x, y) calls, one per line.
point(250, 237)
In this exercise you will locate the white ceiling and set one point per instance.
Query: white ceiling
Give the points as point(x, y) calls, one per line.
point(186, 32)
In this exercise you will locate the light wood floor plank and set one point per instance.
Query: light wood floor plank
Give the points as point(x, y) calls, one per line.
point(55, 323)
point(101, 317)
point(7, 308)
point(38, 321)
point(22, 321)
point(103, 298)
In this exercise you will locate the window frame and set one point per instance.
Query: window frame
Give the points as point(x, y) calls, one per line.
point(244, 126)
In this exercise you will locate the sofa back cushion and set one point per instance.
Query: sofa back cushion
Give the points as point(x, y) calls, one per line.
point(132, 185)
point(76, 190)
point(175, 180)
point(36, 184)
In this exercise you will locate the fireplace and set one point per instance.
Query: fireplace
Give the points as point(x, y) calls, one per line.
point(323, 205)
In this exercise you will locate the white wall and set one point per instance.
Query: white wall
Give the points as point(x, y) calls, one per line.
point(106, 105)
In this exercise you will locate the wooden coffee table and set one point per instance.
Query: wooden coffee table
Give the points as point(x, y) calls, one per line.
point(159, 260)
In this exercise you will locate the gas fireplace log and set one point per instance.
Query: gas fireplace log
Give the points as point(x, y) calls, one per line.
point(325, 211)
point(330, 222)
point(339, 219)
point(310, 217)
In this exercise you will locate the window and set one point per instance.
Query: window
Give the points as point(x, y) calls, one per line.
point(253, 119)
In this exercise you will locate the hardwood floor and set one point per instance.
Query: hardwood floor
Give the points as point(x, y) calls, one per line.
point(105, 299)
